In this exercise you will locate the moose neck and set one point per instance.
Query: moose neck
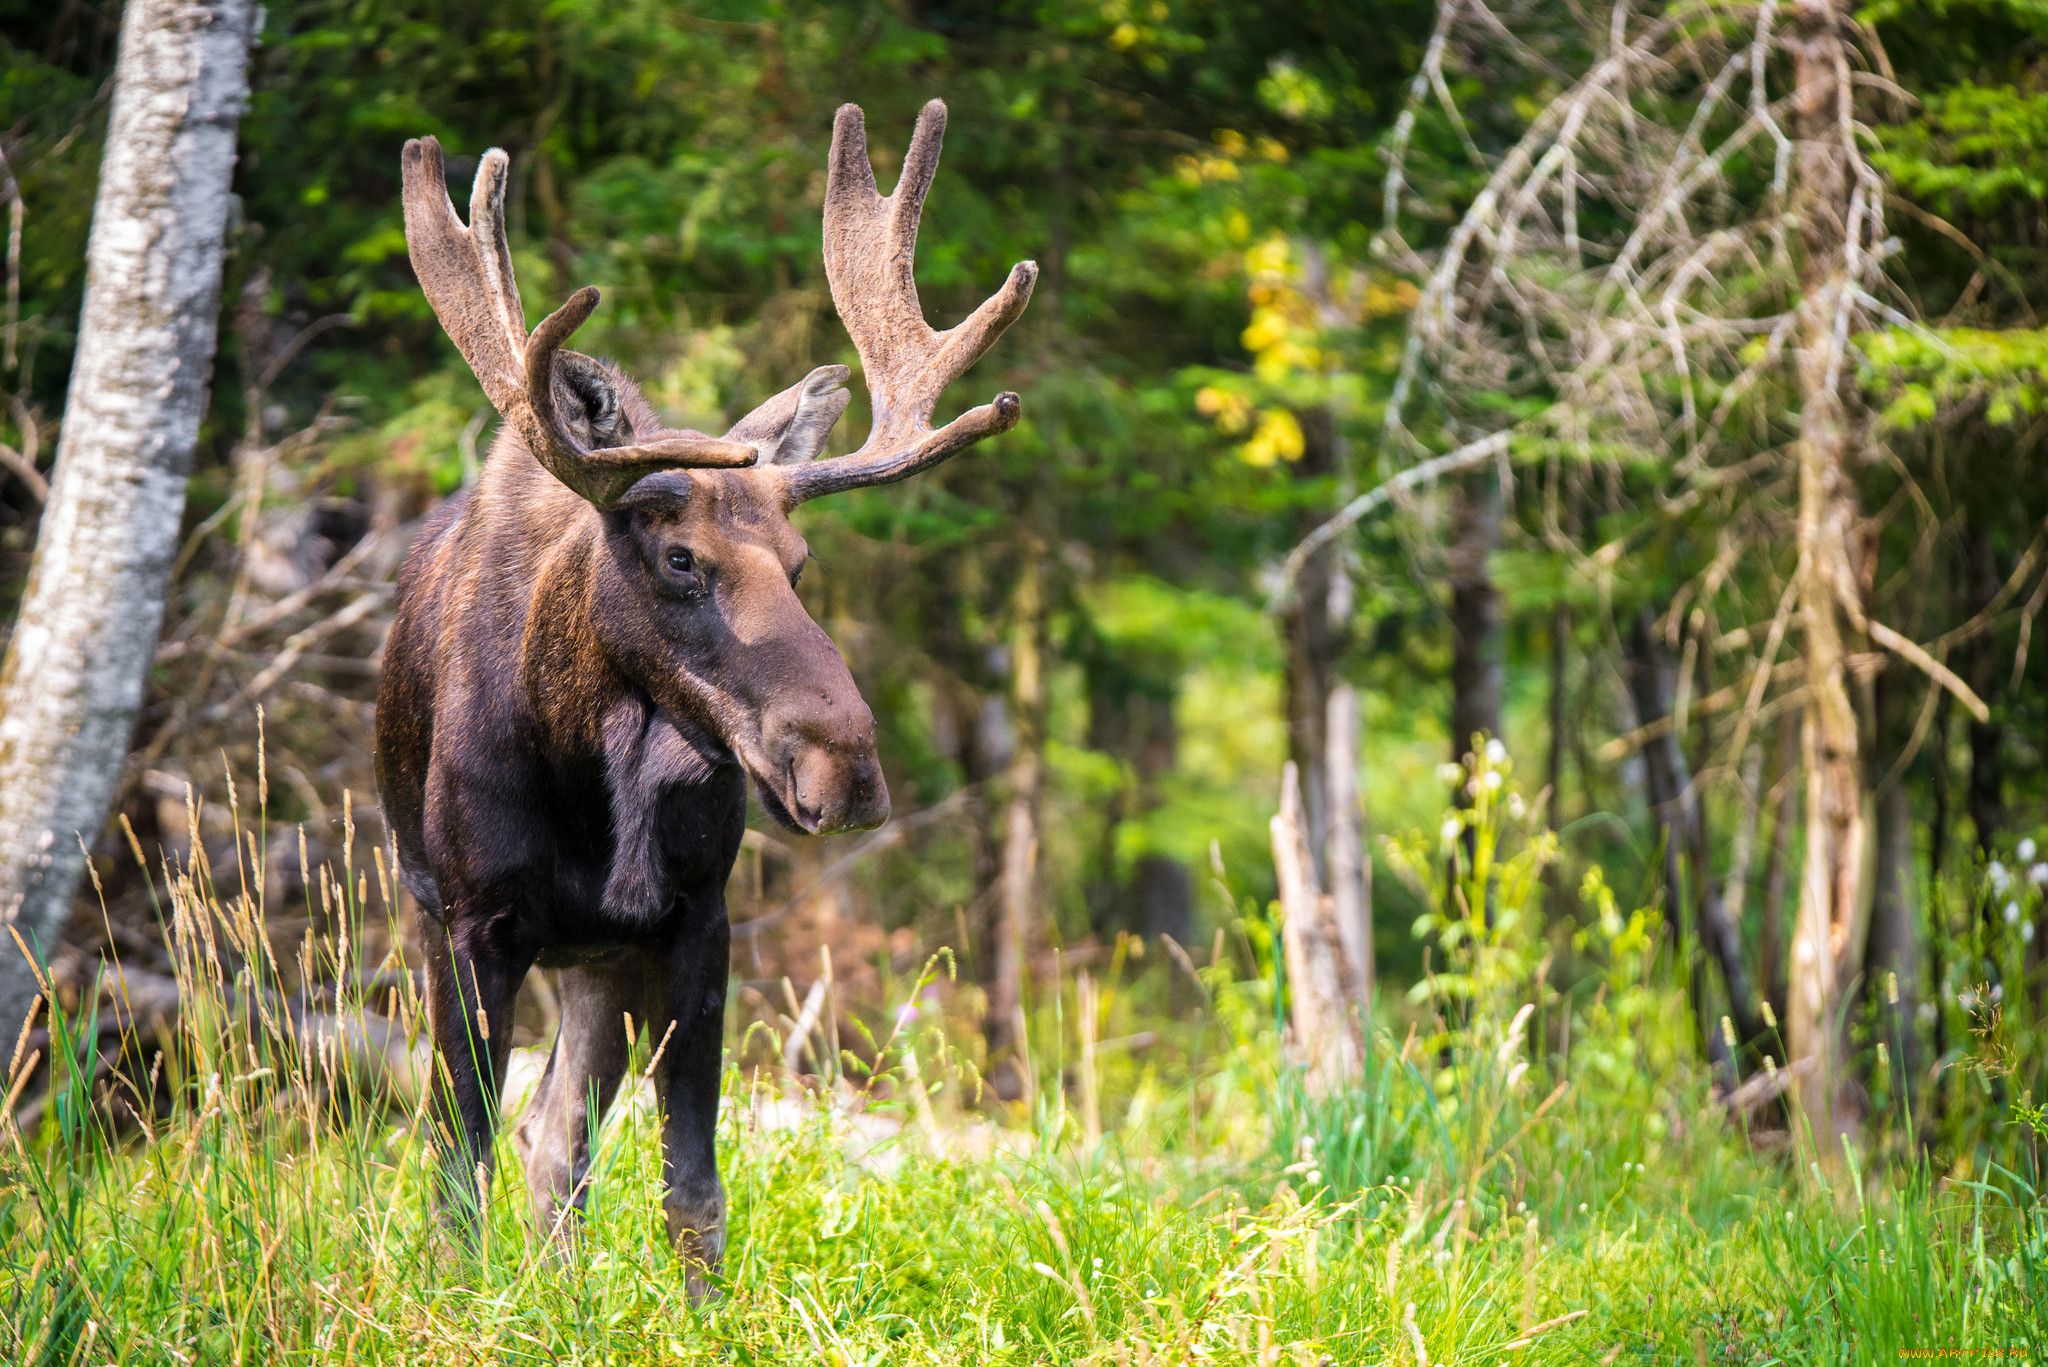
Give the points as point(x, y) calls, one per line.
point(677, 797)
point(581, 700)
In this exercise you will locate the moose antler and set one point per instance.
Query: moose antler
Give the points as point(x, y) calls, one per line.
point(467, 275)
point(870, 250)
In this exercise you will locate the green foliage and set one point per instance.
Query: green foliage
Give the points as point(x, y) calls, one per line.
point(1924, 374)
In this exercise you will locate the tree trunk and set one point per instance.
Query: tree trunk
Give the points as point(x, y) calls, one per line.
point(1894, 957)
point(1891, 976)
point(1314, 630)
point(1676, 805)
point(1323, 1037)
point(1937, 869)
point(1987, 738)
point(1833, 896)
point(1345, 856)
point(1020, 815)
point(81, 651)
point(1777, 869)
point(1478, 656)
point(1322, 717)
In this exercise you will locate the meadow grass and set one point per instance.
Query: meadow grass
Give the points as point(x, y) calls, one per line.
point(1479, 1195)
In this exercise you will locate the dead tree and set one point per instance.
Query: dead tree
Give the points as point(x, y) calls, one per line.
point(1620, 275)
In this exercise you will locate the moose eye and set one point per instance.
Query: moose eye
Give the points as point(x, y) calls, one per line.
point(681, 561)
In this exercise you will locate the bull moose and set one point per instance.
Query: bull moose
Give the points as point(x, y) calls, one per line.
point(598, 643)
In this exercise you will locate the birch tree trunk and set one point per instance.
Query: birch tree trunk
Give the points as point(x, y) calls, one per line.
point(1833, 895)
point(1344, 850)
point(1323, 722)
point(1322, 1029)
point(74, 671)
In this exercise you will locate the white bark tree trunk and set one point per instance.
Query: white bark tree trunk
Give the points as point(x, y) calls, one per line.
point(1344, 847)
point(82, 648)
point(1324, 1033)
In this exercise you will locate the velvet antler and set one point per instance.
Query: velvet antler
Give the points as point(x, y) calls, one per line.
point(870, 251)
point(467, 275)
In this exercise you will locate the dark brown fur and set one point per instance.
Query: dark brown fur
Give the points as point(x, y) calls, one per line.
point(596, 647)
point(564, 726)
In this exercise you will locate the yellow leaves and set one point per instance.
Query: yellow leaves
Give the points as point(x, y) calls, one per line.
point(1278, 346)
point(1136, 29)
point(1304, 308)
point(1269, 258)
point(1268, 330)
point(1278, 438)
point(1383, 301)
point(1232, 412)
point(1221, 165)
point(1205, 169)
point(1293, 93)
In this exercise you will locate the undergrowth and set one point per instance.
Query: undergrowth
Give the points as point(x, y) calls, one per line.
point(1523, 1174)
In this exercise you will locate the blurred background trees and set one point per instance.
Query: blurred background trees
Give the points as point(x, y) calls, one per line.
point(1614, 265)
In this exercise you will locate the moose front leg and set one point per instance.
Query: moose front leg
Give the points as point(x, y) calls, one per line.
point(471, 982)
point(687, 1081)
point(555, 1132)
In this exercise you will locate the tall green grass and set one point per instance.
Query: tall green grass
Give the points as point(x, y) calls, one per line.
point(1520, 1175)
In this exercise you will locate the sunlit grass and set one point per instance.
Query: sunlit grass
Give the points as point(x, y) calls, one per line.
point(1479, 1195)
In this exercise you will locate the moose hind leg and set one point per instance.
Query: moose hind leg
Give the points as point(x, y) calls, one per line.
point(555, 1133)
point(687, 1080)
point(470, 988)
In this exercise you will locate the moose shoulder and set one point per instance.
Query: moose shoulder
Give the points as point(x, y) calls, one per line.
point(597, 646)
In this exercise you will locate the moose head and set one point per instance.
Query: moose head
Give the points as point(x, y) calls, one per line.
point(700, 563)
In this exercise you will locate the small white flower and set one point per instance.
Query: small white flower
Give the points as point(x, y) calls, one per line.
point(1492, 780)
point(1453, 828)
point(2027, 933)
point(1583, 1207)
point(1495, 752)
point(1315, 1177)
point(1995, 871)
point(2026, 850)
point(2012, 913)
point(2038, 875)
point(1098, 1262)
point(1516, 807)
point(1450, 773)
point(1998, 992)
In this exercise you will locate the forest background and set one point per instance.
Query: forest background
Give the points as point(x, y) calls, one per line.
point(1268, 236)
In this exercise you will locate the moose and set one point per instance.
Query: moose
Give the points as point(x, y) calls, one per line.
point(598, 643)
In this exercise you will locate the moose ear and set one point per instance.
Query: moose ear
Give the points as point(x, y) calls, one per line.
point(791, 428)
point(591, 391)
point(664, 491)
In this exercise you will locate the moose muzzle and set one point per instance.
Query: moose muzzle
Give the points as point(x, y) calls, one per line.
point(828, 777)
